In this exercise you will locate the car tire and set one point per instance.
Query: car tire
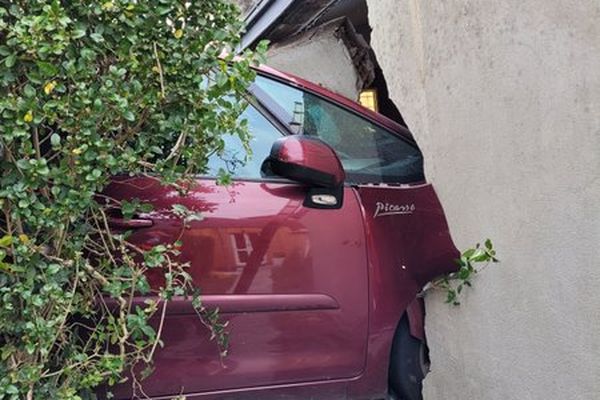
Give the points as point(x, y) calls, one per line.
point(409, 363)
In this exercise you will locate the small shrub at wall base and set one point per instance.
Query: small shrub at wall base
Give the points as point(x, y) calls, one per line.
point(90, 90)
point(454, 283)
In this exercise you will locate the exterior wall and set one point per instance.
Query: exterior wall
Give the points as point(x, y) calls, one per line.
point(321, 57)
point(504, 99)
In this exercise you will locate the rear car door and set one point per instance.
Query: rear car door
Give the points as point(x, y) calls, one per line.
point(291, 281)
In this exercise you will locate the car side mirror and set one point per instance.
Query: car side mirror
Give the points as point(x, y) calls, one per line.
point(306, 160)
point(310, 161)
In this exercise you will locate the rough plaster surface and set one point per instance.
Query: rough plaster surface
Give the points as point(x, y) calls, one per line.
point(504, 100)
point(321, 57)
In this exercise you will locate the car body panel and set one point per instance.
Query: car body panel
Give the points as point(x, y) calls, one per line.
point(409, 243)
point(312, 297)
point(293, 289)
point(331, 389)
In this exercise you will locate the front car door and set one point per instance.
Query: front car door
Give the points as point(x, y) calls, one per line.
point(291, 281)
point(408, 239)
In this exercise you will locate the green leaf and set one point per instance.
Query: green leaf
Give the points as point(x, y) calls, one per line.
point(163, 10)
point(129, 208)
point(53, 268)
point(87, 54)
point(11, 389)
point(55, 140)
point(6, 241)
point(47, 68)
point(128, 115)
point(224, 178)
point(10, 61)
point(79, 31)
point(97, 37)
point(463, 273)
point(29, 91)
point(468, 253)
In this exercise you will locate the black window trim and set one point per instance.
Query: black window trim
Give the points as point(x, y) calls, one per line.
point(271, 107)
point(264, 108)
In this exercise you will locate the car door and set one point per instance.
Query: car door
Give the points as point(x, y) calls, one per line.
point(409, 242)
point(291, 281)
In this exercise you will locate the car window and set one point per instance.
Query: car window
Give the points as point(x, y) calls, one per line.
point(368, 152)
point(234, 158)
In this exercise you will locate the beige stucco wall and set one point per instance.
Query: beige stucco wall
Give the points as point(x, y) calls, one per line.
point(321, 57)
point(504, 99)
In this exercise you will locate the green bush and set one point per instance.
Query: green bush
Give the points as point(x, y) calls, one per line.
point(91, 89)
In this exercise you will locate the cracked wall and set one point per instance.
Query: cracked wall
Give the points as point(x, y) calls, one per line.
point(332, 55)
point(504, 100)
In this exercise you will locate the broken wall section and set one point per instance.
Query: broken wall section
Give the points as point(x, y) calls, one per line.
point(332, 55)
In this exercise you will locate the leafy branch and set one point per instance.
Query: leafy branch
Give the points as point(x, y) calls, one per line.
point(89, 91)
point(454, 283)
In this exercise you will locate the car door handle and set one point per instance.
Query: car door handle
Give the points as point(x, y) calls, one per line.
point(134, 223)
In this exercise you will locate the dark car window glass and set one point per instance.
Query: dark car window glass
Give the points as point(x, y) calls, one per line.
point(368, 152)
point(234, 160)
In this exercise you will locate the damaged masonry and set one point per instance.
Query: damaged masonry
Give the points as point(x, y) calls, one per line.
point(326, 42)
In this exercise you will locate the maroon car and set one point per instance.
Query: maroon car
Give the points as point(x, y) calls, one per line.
point(314, 254)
